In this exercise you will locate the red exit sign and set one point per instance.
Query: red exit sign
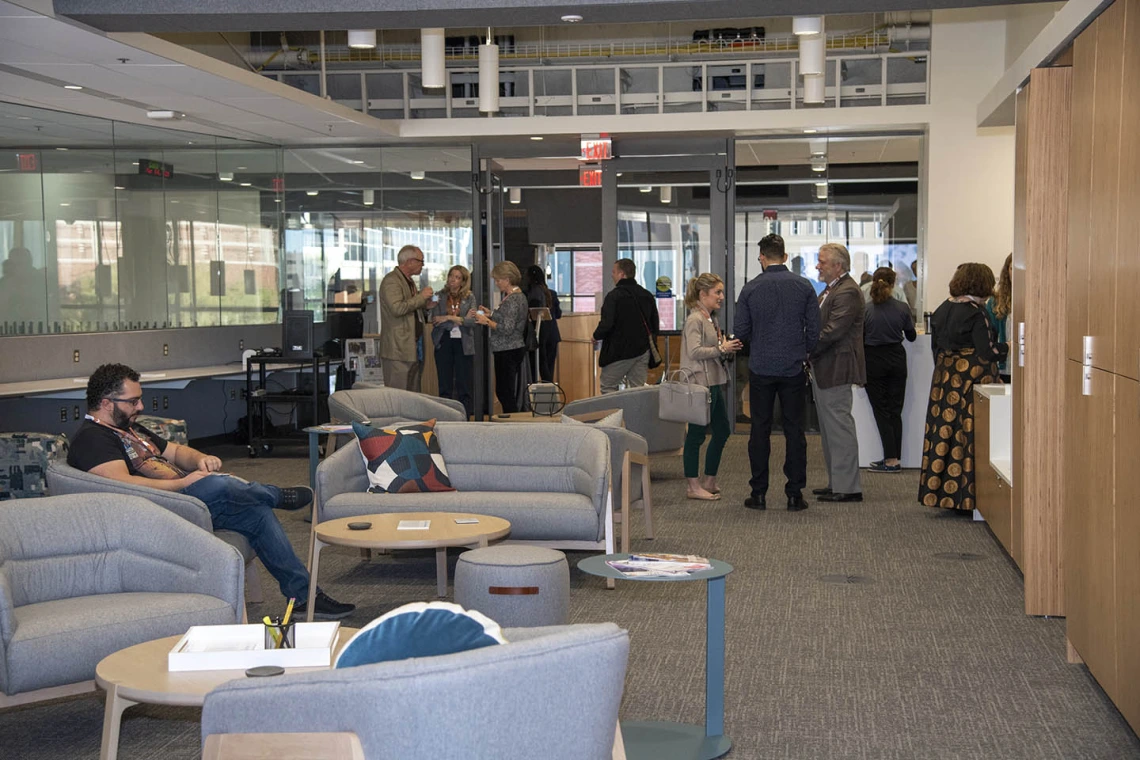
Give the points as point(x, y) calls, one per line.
point(277, 184)
point(599, 148)
point(155, 168)
point(589, 176)
point(27, 162)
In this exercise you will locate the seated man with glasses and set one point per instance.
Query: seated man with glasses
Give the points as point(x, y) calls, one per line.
point(110, 444)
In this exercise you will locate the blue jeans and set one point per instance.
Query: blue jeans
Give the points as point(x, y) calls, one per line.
point(247, 508)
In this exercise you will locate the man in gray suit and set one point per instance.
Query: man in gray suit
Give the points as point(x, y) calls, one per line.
point(836, 365)
point(402, 321)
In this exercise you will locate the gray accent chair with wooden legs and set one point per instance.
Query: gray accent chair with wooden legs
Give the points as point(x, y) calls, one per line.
point(551, 693)
point(83, 576)
point(639, 412)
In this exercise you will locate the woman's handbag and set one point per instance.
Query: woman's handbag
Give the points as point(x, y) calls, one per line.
point(682, 400)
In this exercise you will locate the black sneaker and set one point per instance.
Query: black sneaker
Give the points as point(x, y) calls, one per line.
point(327, 608)
point(295, 498)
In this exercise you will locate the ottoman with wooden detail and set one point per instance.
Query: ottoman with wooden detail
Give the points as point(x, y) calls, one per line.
point(514, 585)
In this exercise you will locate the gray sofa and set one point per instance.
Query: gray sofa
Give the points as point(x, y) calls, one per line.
point(550, 481)
point(640, 415)
point(62, 478)
point(84, 576)
point(551, 693)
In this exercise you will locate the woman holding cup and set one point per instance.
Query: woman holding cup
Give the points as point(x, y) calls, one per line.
point(453, 337)
point(507, 325)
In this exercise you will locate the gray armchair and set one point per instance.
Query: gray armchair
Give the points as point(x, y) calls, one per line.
point(62, 478)
point(84, 576)
point(640, 413)
point(629, 450)
point(551, 693)
point(384, 406)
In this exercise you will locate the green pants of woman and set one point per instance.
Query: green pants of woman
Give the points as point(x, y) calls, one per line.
point(718, 421)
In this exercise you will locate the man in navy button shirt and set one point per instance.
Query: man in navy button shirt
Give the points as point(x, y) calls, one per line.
point(777, 314)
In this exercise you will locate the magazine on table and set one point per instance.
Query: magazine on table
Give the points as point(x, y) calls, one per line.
point(660, 565)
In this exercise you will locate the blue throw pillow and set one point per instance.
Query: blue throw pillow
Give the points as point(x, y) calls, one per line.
point(420, 629)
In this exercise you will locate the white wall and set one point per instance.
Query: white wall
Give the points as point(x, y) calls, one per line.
point(969, 171)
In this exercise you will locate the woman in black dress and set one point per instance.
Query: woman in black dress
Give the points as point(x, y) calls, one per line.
point(886, 321)
point(537, 296)
point(966, 352)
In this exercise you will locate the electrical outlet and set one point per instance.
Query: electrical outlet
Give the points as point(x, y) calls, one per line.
point(166, 402)
point(63, 414)
point(154, 404)
point(75, 412)
point(75, 355)
point(166, 349)
point(233, 394)
point(241, 345)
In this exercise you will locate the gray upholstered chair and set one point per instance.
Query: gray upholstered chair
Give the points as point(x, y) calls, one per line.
point(551, 693)
point(384, 406)
point(640, 412)
point(62, 478)
point(83, 576)
point(629, 450)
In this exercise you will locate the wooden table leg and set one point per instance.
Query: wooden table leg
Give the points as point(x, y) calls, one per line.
point(112, 717)
point(314, 562)
point(441, 571)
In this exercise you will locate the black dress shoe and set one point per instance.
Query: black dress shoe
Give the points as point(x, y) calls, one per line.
point(841, 497)
point(756, 502)
point(821, 491)
point(796, 503)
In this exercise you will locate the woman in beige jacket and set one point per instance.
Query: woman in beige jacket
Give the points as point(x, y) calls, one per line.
point(703, 347)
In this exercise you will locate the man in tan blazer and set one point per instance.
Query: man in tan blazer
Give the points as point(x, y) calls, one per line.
point(402, 321)
point(836, 365)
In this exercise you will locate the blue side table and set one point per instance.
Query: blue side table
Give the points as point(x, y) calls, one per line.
point(665, 740)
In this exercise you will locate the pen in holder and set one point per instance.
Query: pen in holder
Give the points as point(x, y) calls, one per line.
point(280, 635)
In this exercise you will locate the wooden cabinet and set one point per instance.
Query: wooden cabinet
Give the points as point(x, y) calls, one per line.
point(1090, 593)
point(994, 496)
point(1127, 279)
point(1080, 179)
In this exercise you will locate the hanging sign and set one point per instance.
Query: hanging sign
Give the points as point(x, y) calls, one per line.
point(596, 148)
point(589, 176)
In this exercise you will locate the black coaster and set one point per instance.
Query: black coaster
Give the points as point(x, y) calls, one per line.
point(359, 525)
point(264, 671)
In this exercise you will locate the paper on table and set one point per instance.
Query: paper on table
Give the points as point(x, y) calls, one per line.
point(414, 525)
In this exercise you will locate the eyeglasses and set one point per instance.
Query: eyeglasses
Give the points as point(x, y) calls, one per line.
point(418, 261)
point(132, 401)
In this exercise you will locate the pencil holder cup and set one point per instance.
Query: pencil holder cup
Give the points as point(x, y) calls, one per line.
point(278, 636)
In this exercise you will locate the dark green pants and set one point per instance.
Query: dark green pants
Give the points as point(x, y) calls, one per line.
point(718, 421)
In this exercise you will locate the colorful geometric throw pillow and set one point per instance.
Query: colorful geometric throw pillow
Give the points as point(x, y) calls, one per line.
point(402, 458)
point(419, 629)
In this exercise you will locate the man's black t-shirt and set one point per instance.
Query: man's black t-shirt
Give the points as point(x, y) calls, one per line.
point(94, 444)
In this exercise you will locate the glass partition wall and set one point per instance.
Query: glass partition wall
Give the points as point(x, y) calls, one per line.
point(108, 226)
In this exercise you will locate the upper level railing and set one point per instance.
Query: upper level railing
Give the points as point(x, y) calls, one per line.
point(566, 88)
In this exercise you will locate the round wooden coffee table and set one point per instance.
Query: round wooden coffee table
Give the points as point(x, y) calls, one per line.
point(443, 531)
point(138, 675)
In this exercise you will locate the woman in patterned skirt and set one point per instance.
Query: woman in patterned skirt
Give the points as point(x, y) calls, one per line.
point(966, 353)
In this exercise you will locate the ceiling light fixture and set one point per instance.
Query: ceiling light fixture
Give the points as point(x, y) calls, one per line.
point(65, 204)
point(817, 147)
point(433, 62)
point(312, 192)
point(164, 115)
point(225, 176)
point(810, 131)
point(61, 148)
point(357, 161)
point(821, 191)
point(418, 174)
point(120, 187)
point(369, 197)
point(813, 54)
point(245, 184)
point(819, 164)
point(646, 188)
point(489, 76)
point(666, 194)
point(362, 39)
point(72, 87)
point(814, 89)
point(515, 195)
point(807, 25)
point(536, 138)
point(571, 18)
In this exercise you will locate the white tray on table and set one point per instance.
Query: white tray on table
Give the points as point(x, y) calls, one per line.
point(237, 647)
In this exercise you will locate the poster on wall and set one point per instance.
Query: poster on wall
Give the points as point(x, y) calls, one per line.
point(362, 356)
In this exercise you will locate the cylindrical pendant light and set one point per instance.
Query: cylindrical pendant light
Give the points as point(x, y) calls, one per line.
point(819, 164)
point(646, 188)
point(814, 89)
point(515, 195)
point(369, 197)
point(813, 54)
point(362, 39)
point(432, 58)
point(666, 194)
point(488, 77)
point(807, 25)
point(817, 147)
point(821, 191)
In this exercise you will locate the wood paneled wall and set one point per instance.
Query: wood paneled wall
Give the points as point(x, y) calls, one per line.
point(1101, 435)
point(1041, 239)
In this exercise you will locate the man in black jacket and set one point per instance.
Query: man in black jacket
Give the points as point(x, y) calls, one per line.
point(629, 317)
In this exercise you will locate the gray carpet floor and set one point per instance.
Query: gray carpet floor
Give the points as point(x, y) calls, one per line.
point(873, 630)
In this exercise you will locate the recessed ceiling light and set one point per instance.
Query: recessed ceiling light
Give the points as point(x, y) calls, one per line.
point(65, 204)
point(571, 18)
point(242, 167)
point(312, 192)
point(72, 87)
point(245, 184)
point(416, 174)
point(176, 201)
point(120, 187)
point(61, 148)
point(810, 131)
point(536, 138)
point(134, 163)
point(225, 176)
point(276, 200)
point(357, 161)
